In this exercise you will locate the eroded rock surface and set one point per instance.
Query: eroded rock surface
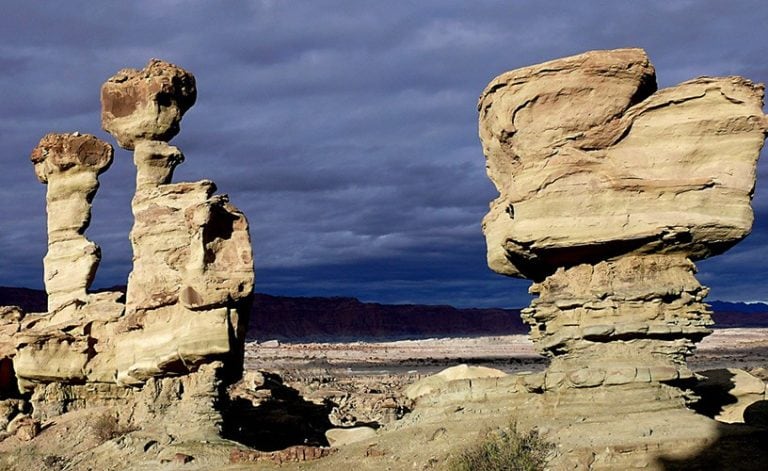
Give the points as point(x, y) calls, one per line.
point(608, 190)
point(193, 266)
point(163, 352)
point(146, 104)
point(591, 162)
point(70, 164)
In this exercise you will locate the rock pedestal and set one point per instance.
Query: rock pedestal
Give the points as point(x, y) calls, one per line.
point(192, 262)
point(632, 319)
point(609, 189)
point(164, 350)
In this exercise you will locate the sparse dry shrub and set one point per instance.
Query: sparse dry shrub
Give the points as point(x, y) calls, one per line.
point(504, 449)
point(107, 427)
point(54, 463)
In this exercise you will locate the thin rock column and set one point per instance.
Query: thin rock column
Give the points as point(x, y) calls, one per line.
point(70, 165)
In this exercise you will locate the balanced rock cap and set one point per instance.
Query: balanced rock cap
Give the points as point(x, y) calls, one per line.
point(592, 162)
point(146, 104)
point(59, 152)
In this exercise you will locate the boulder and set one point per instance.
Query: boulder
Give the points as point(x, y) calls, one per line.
point(592, 162)
point(146, 104)
point(438, 381)
point(338, 437)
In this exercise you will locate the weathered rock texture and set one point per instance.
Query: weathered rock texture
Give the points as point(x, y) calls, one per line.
point(168, 346)
point(608, 189)
point(146, 104)
point(192, 272)
point(70, 165)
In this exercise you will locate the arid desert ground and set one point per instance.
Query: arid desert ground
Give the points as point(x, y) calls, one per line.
point(743, 348)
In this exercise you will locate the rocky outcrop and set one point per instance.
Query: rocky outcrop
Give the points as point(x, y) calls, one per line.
point(163, 351)
point(192, 275)
point(608, 189)
point(433, 384)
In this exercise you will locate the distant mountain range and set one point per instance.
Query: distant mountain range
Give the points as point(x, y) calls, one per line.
point(348, 319)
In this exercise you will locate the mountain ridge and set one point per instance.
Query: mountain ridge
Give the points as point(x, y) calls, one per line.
point(345, 318)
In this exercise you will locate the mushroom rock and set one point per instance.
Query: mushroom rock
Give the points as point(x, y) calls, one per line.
point(162, 351)
point(192, 272)
point(70, 164)
point(609, 189)
point(147, 104)
point(72, 341)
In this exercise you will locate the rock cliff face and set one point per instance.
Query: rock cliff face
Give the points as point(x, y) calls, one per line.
point(608, 189)
point(186, 308)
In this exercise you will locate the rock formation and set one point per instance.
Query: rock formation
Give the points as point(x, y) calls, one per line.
point(163, 350)
point(70, 165)
point(608, 190)
point(192, 263)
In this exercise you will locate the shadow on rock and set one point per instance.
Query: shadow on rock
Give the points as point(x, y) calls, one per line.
point(739, 448)
point(272, 416)
point(730, 396)
point(715, 392)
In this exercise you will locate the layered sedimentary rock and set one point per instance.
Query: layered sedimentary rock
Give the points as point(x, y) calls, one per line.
point(192, 261)
point(608, 190)
point(70, 164)
point(178, 332)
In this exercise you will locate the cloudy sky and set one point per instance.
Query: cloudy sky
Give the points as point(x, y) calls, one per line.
point(345, 130)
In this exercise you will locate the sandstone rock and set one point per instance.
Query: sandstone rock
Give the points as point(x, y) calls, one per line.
point(146, 104)
point(590, 163)
point(193, 266)
point(72, 344)
point(10, 324)
point(177, 335)
point(24, 427)
point(70, 165)
point(608, 189)
point(440, 380)
point(10, 408)
point(344, 436)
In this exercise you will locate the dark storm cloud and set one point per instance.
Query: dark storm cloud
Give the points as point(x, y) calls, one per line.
point(346, 131)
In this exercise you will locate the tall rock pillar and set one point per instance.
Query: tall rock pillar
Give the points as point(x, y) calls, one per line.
point(192, 278)
point(70, 165)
